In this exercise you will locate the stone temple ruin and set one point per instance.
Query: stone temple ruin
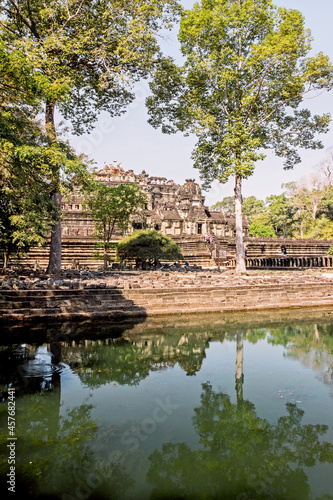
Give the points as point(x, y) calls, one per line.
point(173, 209)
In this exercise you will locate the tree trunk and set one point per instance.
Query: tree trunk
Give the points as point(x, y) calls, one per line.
point(240, 261)
point(105, 259)
point(54, 266)
point(316, 332)
point(5, 260)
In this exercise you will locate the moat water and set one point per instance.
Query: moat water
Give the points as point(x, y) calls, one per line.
point(198, 407)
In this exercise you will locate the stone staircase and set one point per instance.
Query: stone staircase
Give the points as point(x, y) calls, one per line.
point(79, 253)
point(47, 305)
point(195, 251)
point(75, 253)
point(220, 253)
point(19, 307)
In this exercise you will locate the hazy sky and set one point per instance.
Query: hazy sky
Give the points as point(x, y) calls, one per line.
point(130, 140)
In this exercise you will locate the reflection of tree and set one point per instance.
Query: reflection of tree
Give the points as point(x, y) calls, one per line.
point(240, 454)
point(239, 366)
point(130, 361)
point(53, 454)
point(312, 345)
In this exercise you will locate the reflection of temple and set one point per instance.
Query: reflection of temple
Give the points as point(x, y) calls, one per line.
point(174, 209)
point(128, 361)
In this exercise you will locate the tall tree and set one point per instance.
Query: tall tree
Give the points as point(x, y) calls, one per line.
point(27, 159)
point(280, 214)
point(88, 55)
point(245, 74)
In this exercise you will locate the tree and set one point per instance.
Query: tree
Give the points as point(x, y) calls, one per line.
point(148, 245)
point(24, 221)
point(322, 229)
point(27, 160)
point(280, 213)
point(252, 207)
point(87, 55)
point(111, 208)
point(239, 90)
point(308, 194)
point(240, 454)
point(256, 229)
point(226, 205)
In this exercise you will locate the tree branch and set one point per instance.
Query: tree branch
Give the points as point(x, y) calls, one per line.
point(259, 89)
point(70, 17)
point(7, 28)
point(265, 118)
point(32, 26)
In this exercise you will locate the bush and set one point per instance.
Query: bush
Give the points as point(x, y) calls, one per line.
point(148, 245)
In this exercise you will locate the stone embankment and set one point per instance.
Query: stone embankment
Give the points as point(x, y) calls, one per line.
point(88, 295)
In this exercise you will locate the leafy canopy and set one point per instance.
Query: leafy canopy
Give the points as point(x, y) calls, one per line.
point(226, 205)
point(86, 54)
point(148, 245)
point(244, 76)
point(86, 57)
point(240, 454)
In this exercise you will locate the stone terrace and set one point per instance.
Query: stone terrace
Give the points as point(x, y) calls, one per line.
point(114, 295)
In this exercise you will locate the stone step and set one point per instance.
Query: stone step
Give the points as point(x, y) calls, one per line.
point(48, 316)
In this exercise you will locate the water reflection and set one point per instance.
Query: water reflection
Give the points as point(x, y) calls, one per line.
point(77, 399)
point(53, 453)
point(129, 361)
point(241, 455)
point(312, 345)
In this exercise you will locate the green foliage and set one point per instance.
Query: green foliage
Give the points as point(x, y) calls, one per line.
point(281, 215)
point(148, 245)
point(113, 207)
point(252, 207)
point(261, 230)
point(235, 91)
point(28, 162)
point(303, 209)
point(86, 54)
point(227, 205)
point(79, 58)
point(328, 203)
point(322, 229)
point(24, 221)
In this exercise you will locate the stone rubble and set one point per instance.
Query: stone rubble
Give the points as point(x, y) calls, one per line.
point(195, 278)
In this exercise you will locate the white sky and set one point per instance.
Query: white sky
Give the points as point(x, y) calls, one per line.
point(130, 140)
